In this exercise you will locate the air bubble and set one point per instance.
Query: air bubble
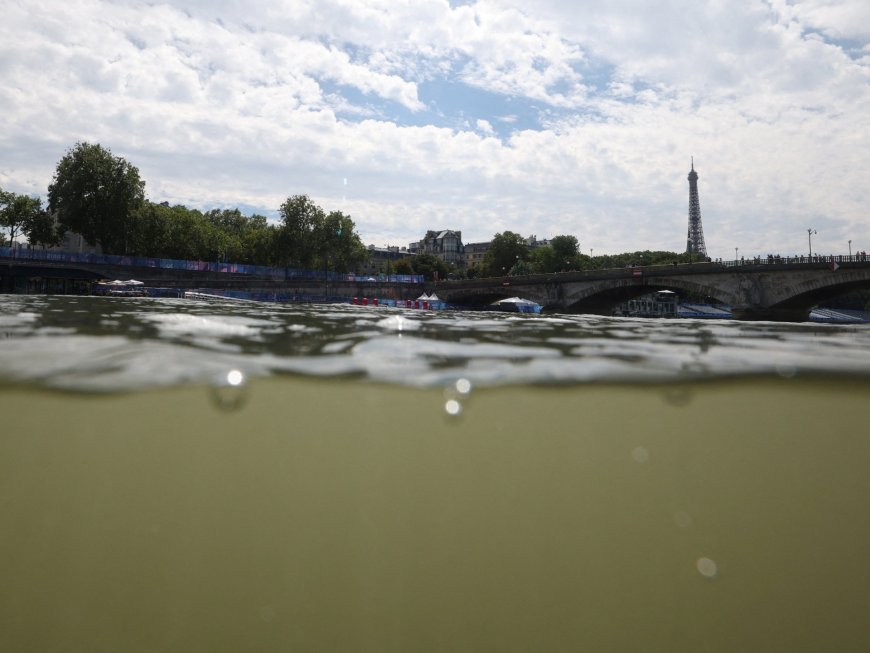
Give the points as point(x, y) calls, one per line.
point(640, 455)
point(707, 568)
point(230, 391)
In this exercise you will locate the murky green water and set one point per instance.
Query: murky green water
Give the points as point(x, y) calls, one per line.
point(388, 481)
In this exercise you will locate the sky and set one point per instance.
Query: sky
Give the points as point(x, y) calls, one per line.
point(544, 118)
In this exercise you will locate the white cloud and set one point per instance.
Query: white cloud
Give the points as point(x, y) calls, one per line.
point(597, 107)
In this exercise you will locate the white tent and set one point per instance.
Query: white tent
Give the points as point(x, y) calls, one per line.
point(423, 298)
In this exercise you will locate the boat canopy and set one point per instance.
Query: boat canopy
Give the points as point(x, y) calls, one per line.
point(516, 300)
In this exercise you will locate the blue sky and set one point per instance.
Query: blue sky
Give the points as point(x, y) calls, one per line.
point(545, 118)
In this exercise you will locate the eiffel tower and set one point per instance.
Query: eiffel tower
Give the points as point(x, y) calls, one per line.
point(695, 239)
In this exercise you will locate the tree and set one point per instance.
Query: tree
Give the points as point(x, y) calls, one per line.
point(17, 213)
point(258, 241)
point(429, 264)
point(310, 238)
point(505, 250)
point(295, 238)
point(338, 246)
point(96, 195)
point(404, 266)
point(560, 255)
point(43, 230)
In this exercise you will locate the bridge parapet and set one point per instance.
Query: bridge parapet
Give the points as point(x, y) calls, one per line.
point(783, 289)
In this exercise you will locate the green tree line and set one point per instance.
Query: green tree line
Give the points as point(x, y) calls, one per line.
point(509, 255)
point(102, 197)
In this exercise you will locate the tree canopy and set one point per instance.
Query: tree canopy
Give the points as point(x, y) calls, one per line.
point(505, 251)
point(308, 237)
point(96, 194)
point(21, 214)
point(560, 255)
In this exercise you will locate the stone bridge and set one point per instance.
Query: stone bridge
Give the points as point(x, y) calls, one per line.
point(778, 289)
point(766, 289)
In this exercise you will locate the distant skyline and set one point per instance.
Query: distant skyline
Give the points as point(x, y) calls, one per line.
point(542, 118)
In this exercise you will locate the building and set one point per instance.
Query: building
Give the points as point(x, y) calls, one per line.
point(382, 260)
point(446, 245)
point(532, 242)
point(475, 253)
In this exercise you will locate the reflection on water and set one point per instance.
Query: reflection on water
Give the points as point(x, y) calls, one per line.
point(87, 343)
point(315, 478)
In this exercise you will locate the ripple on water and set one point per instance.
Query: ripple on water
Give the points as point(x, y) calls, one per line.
point(165, 342)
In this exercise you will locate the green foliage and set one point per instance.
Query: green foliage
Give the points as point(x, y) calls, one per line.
point(97, 195)
point(639, 258)
point(296, 245)
point(505, 251)
point(310, 238)
point(19, 214)
point(404, 266)
point(429, 264)
point(42, 229)
point(561, 255)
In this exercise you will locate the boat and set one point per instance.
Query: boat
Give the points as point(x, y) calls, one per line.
point(515, 305)
point(119, 288)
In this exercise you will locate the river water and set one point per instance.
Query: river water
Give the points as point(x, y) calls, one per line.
point(181, 475)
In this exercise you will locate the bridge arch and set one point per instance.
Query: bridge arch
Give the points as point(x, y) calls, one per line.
point(601, 298)
point(809, 293)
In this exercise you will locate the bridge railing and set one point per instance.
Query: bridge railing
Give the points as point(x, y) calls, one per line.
point(775, 259)
point(56, 256)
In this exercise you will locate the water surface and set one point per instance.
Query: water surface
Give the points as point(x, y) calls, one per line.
point(186, 476)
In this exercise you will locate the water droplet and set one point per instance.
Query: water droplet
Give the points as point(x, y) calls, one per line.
point(463, 386)
point(453, 407)
point(640, 454)
point(707, 568)
point(230, 391)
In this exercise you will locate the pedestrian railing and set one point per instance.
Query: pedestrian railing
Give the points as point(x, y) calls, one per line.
point(56, 256)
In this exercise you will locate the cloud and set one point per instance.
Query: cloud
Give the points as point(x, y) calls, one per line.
point(550, 118)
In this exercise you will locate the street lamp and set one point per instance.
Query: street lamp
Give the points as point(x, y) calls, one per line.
point(850, 249)
point(735, 255)
point(810, 233)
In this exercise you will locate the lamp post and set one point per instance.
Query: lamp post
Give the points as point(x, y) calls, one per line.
point(850, 249)
point(735, 255)
point(810, 233)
